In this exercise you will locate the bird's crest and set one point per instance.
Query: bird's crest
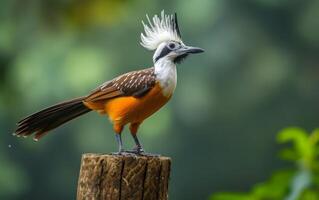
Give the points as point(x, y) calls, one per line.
point(163, 28)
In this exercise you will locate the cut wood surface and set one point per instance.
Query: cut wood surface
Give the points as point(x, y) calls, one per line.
point(123, 177)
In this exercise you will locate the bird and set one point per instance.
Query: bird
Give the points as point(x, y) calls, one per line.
point(130, 98)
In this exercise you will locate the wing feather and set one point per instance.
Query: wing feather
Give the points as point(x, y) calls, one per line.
point(135, 83)
point(100, 93)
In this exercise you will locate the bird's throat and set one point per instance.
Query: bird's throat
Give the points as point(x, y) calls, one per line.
point(166, 76)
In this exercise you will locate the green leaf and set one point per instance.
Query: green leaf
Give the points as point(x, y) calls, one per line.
point(289, 154)
point(314, 137)
point(299, 137)
point(276, 187)
point(289, 184)
point(309, 195)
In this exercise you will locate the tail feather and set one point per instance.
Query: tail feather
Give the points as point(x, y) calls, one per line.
point(52, 108)
point(50, 118)
point(37, 118)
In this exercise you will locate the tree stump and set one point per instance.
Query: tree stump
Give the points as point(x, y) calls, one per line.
point(117, 177)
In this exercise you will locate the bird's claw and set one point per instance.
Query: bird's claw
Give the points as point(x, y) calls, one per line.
point(140, 152)
point(136, 151)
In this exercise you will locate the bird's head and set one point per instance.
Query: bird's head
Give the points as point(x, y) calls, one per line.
point(162, 34)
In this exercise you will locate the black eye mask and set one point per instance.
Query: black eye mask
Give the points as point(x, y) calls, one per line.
point(163, 53)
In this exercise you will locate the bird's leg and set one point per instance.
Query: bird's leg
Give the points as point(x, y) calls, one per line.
point(121, 149)
point(119, 142)
point(138, 147)
point(118, 130)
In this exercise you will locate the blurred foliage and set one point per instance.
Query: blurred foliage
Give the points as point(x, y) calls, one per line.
point(301, 182)
point(259, 73)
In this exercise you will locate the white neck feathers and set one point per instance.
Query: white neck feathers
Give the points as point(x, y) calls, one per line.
point(165, 71)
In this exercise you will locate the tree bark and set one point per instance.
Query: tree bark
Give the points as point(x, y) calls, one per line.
point(123, 177)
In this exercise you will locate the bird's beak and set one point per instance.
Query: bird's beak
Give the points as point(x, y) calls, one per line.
point(188, 50)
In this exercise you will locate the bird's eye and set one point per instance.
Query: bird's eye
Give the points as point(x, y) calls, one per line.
point(171, 45)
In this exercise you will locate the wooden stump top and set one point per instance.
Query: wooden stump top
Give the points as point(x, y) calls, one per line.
point(117, 177)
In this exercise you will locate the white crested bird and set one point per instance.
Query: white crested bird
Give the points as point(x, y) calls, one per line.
point(129, 98)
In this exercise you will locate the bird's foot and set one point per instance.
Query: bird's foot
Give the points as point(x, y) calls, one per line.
point(138, 150)
point(120, 152)
point(150, 154)
point(117, 153)
point(123, 152)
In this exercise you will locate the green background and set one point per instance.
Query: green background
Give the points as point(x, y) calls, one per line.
point(259, 74)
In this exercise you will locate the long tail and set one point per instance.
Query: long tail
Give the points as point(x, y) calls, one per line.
point(50, 118)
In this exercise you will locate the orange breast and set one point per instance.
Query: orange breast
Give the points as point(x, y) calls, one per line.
point(123, 110)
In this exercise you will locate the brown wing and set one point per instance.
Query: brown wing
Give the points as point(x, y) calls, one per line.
point(135, 83)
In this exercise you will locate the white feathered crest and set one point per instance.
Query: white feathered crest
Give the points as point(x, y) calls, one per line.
point(162, 29)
